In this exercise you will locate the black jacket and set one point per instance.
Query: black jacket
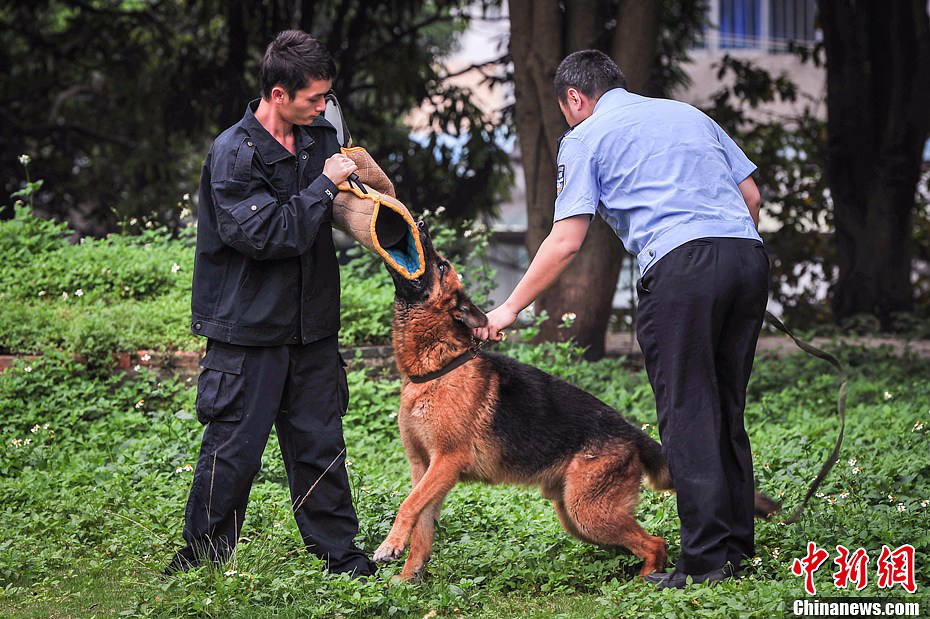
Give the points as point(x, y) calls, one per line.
point(265, 271)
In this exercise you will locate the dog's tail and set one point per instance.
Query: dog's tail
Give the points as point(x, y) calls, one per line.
point(658, 477)
point(654, 464)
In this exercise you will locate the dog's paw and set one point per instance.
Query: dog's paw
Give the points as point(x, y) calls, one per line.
point(387, 552)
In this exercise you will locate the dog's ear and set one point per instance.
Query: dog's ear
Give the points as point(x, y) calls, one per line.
point(467, 312)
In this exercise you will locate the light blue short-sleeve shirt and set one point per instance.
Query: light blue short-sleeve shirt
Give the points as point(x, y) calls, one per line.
point(660, 172)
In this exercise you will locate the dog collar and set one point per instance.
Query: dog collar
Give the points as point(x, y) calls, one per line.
point(462, 359)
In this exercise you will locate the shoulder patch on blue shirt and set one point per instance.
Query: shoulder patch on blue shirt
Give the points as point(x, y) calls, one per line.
point(560, 179)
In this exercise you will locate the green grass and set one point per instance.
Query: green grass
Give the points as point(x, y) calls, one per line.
point(92, 507)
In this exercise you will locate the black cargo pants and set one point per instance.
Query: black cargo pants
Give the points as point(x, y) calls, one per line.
point(700, 312)
point(241, 392)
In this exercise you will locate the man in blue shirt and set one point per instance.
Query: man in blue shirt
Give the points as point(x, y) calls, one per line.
point(678, 193)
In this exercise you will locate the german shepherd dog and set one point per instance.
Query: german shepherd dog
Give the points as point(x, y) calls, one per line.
point(496, 420)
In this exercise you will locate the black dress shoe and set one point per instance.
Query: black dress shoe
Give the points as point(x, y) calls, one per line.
point(679, 580)
point(657, 578)
point(180, 563)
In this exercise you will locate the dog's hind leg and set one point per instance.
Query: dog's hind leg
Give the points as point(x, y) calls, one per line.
point(600, 497)
point(442, 474)
point(567, 523)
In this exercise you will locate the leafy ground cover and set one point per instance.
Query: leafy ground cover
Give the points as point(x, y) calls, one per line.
point(129, 292)
point(95, 468)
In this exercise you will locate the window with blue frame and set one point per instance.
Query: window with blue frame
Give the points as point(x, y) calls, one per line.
point(740, 24)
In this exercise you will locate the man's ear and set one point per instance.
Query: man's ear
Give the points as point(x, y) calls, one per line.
point(468, 312)
point(574, 98)
point(279, 94)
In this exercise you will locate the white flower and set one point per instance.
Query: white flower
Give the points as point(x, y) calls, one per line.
point(393, 415)
point(468, 233)
point(901, 507)
point(888, 395)
point(440, 210)
point(150, 224)
point(64, 295)
point(16, 442)
point(185, 213)
point(426, 213)
point(645, 427)
point(27, 441)
point(145, 357)
point(45, 426)
point(775, 553)
point(140, 403)
point(27, 369)
point(843, 495)
point(230, 573)
point(891, 497)
point(819, 495)
point(34, 428)
point(430, 614)
point(924, 503)
point(856, 470)
point(918, 426)
point(175, 267)
point(348, 462)
point(186, 197)
point(79, 292)
point(757, 561)
point(852, 462)
point(41, 293)
point(25, 159)
point(246, 575)
point(137, 368)
point(133, 221)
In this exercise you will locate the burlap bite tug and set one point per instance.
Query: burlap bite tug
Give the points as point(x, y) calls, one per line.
point(371, 214)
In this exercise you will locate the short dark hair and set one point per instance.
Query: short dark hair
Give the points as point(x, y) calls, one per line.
point(591, 71)
point(292, 60)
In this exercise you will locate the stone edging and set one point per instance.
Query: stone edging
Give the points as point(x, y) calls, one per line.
point(187, 362)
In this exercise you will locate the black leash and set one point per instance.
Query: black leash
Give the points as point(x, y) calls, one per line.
point(472, 353)
point(840, 410)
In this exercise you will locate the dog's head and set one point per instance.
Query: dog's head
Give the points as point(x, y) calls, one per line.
point(438, 290)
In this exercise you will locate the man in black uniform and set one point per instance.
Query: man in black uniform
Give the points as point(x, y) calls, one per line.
point(266, 295)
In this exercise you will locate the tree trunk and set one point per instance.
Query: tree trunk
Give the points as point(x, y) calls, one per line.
point(540, 36)
point(878, 106)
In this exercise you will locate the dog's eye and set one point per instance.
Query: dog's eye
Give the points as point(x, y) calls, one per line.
point(442, 267)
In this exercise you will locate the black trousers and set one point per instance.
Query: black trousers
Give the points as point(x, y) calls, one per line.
point(241, 392)
point(700, 312)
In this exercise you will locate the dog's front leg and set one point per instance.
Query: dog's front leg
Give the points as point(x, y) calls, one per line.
point(442, 474)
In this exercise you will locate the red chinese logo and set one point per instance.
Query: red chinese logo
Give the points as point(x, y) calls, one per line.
point(851, 568)
point(809, 564)
point(896, 567)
